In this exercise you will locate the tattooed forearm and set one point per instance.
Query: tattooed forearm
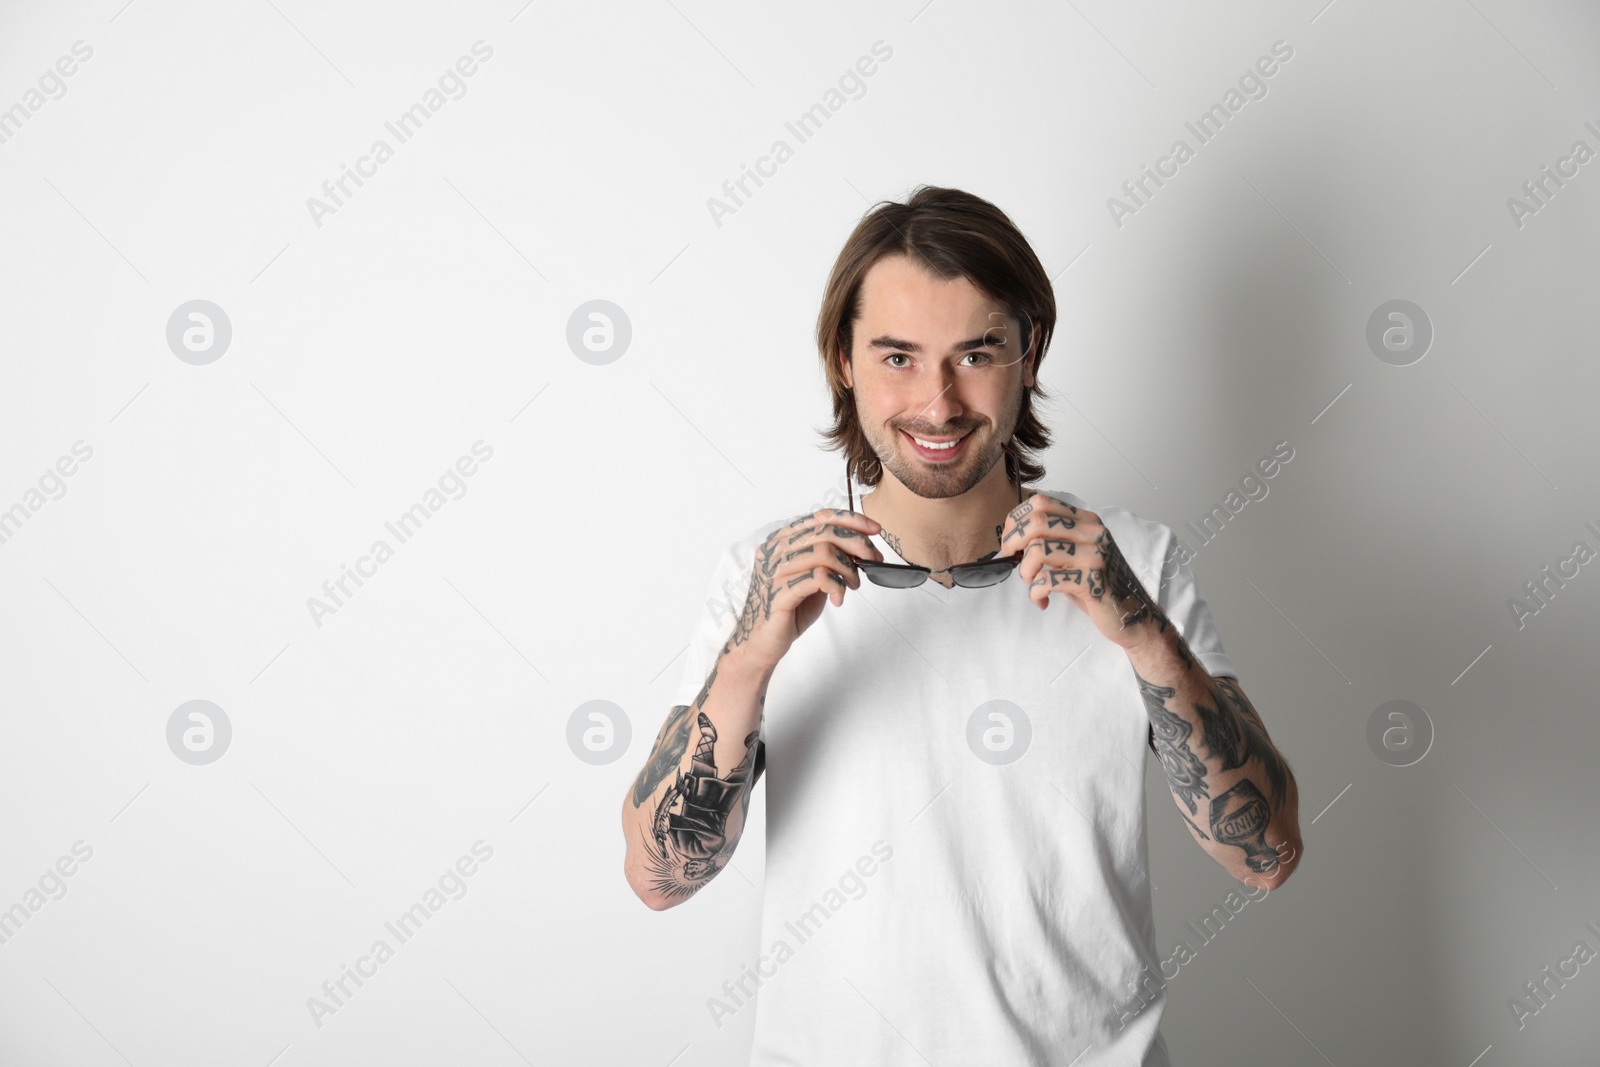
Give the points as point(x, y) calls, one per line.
point(1131, 598)
point(671, 743)
point(1214, 748)
point(1170, 739)
point(689, 839)
point(758, 601)
point(1248, 738)
point(683, 816)
point(1127, 592)
point(711, 676)
point(1239, 816)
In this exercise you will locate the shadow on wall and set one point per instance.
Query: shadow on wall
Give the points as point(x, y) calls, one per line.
point(1276, 334)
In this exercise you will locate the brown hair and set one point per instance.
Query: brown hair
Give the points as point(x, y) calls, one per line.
point(949, 233)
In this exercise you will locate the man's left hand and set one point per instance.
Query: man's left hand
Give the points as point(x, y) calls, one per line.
point(1068, 550)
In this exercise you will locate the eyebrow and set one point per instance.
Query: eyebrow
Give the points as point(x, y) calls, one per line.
point(910, 346)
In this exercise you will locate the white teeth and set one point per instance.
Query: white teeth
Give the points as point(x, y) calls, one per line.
point(937, 447)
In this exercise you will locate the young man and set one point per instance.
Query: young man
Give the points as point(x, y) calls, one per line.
point(955, 774)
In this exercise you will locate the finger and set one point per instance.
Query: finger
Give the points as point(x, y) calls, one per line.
point(1045, 551)
point(1091, 580)
point(821, 555)
point(817, 552)
point(1043, 510)
point(1039, 589)
point(859, 524)
point(1028, 522)
point(1055, 580)
point(832, 583)
point(849, 538)
point(851, 518)
point(1014, 531)
point(792, 585)
point(813, 559)
point(853, 530)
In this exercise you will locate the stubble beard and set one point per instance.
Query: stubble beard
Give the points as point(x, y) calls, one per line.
point(931, 482)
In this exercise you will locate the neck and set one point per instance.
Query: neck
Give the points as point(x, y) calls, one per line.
point(940, 533)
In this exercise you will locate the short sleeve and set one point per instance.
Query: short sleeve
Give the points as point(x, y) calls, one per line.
point(714, 618)
point(1181, 599)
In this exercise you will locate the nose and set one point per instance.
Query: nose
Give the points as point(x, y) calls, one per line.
point(943, 404)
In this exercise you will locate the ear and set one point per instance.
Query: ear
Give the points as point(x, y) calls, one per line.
point(844, 368)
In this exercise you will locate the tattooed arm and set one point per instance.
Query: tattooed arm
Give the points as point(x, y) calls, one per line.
point(1223, 769)
point(1234, 789)
point(686, 810)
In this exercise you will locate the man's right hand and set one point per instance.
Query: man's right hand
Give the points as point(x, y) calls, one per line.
point(797, 569)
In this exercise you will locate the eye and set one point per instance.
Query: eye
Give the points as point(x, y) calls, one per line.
point(986, 358)
point(895, 355)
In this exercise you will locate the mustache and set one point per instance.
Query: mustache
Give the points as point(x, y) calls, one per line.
point(955, 431)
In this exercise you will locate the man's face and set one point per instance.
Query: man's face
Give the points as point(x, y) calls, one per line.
point(936, 360)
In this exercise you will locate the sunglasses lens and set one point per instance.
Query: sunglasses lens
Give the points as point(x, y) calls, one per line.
point(978, 575)
point(891, 577)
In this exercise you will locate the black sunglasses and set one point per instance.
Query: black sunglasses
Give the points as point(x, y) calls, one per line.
point(908, 575)
point(990, 570)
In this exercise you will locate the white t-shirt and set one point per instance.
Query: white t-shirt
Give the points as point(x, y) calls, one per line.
point(931, 895)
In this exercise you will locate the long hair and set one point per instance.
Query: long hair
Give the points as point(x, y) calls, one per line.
point(951, 234)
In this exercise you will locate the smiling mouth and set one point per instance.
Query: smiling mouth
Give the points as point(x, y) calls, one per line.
point(935, 449)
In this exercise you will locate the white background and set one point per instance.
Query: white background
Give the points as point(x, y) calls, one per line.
point(430, 311)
